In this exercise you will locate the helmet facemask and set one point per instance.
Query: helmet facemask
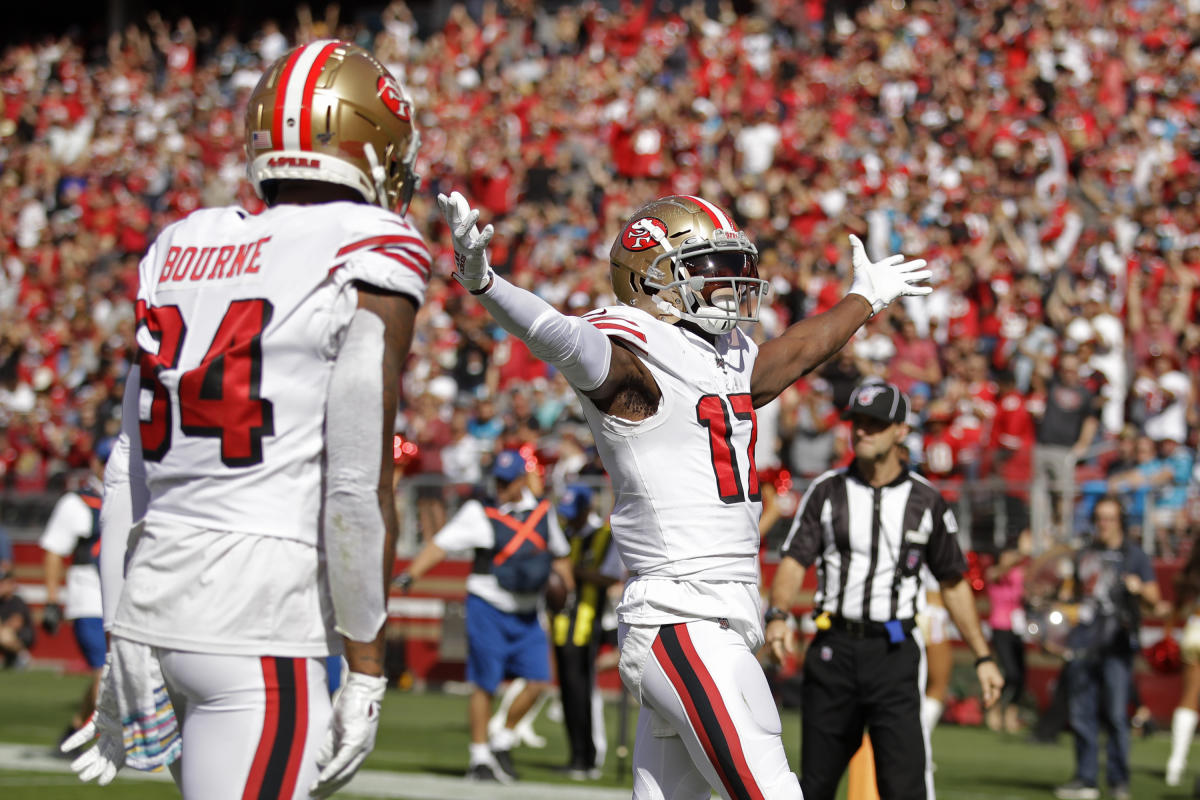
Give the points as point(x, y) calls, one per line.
point(714, 281)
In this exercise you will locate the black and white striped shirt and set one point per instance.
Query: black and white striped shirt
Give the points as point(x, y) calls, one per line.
point(869, 543)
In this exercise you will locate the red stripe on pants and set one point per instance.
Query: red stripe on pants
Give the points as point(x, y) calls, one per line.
point(742, 782)
point(262, 755)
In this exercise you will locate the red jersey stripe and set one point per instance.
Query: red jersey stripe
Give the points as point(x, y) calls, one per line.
point(399, 259)
point(618, 327)
point(379, 241)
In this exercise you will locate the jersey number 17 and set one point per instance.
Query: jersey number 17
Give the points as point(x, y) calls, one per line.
point(713, 413)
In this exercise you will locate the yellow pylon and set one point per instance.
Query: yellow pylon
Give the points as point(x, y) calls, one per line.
point(861, 783)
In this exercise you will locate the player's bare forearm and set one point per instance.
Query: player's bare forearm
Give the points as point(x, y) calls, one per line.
point(960, 604)
point(430, 556)
point(52, 569)
point(789, 577)
point(804, 346)
point(367, 657)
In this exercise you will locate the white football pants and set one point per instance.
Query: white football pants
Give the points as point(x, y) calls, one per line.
point(251, 726)
point(708, 719)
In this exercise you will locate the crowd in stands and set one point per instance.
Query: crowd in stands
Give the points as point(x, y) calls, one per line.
point(1041, 155)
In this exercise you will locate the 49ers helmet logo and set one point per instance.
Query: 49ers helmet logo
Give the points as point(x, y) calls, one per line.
point(389, 92)
point(644, 233)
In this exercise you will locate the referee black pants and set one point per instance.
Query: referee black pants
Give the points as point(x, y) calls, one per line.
point(576, 665)
point(852, 683)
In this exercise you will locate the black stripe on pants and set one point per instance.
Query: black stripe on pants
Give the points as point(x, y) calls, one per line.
point(285, 673)
point(851, 684)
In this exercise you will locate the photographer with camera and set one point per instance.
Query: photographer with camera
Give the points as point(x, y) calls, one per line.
point(1113, 580)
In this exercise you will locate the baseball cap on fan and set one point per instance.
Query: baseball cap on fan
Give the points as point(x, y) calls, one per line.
point(882, 401)
point(509, 465)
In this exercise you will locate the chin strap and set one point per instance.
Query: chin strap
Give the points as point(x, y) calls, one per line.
point(378, 175)
point(666, 308)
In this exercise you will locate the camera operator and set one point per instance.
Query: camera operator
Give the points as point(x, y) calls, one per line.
point(1113, 579)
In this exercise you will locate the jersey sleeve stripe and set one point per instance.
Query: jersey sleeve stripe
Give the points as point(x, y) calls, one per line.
point(382, 241)
point(604, 325)
point(399, 259)
point(419, 256)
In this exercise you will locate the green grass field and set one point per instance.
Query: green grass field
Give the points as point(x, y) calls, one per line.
point(427, 733)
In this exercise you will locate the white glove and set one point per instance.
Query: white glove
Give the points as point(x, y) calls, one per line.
point(470, 245)
point(881, 282)
point(106, 758)
point(351, 732)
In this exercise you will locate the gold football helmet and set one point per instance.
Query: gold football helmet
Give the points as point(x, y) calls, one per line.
point(328, 111)
point(682, 258)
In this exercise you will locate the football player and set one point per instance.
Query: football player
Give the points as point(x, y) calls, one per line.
point(256, 447)
point(669, 386)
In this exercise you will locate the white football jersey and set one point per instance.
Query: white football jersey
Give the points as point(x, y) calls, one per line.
point(240, 318)
point(687, 499)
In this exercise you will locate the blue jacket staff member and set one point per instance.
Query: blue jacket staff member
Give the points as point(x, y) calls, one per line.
point(868, 528)
point(505, 638)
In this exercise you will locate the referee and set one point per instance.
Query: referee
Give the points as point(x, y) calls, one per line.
point(868, 528)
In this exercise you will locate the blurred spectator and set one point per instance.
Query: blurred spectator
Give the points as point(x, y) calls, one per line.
point(808, 422)
point(16, 622)
point(6, 549)
point(1154, 488)
point(1066, 425)
point(462, 454)
point(915, 359)
point(1006, 617)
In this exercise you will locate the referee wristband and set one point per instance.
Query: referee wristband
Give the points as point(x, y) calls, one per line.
point(774, 614)
point(983, 660)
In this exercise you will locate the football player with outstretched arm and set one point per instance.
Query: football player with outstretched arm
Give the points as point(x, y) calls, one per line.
point(256, 450)
point(669, 386)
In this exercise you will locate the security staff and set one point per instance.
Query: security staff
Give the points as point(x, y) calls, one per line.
point(576, 628)
point(512, 538)
point(869, 528)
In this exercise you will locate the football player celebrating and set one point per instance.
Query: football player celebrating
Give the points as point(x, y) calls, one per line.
point(669, 386)
point(256, 447)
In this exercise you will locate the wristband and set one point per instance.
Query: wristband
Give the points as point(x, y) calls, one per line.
point(404, 581)
point(775, 614)
point(983, 660)
point(483, 289)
